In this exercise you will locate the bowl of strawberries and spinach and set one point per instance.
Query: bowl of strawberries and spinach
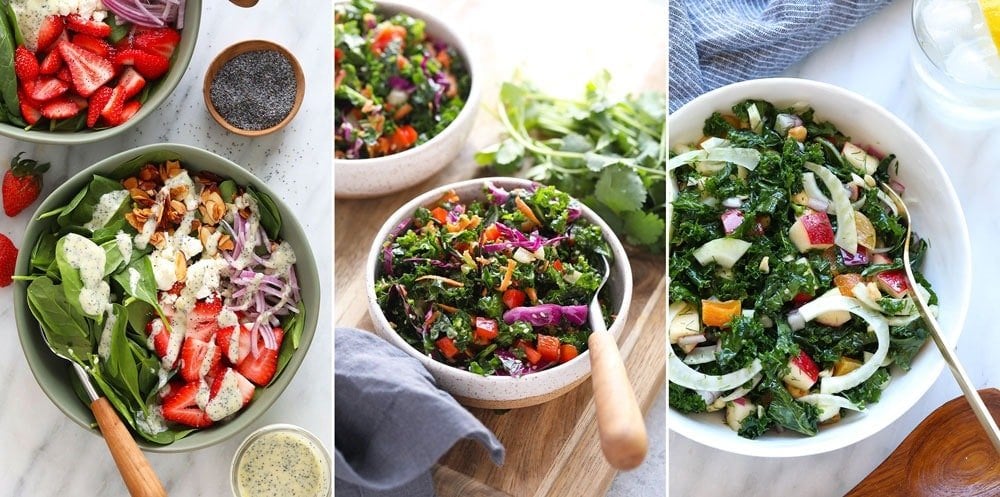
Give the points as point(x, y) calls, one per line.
point(488, 283)
point(203, 298)
point(89, 75)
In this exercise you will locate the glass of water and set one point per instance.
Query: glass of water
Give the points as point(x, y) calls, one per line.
point(955, 58)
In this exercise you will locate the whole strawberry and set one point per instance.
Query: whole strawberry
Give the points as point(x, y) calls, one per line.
point(8, 256)
point(21, 184)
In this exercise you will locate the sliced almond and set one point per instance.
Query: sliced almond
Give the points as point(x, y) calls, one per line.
point(226, 243)
point(180, 268)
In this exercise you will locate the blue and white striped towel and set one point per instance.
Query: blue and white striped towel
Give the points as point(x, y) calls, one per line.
point(717, 42)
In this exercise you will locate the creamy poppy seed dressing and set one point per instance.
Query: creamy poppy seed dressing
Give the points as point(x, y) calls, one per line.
point(106, 207)
point(283, 464)
point(89, 258)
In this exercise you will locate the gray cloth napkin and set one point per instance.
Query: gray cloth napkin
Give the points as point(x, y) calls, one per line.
point(717, 42)
point(391, 422)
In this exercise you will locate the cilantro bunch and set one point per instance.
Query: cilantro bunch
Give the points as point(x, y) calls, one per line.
point(609, 153)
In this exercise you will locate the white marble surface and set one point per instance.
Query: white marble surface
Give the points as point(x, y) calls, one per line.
point(43, 453)
point(874, 60)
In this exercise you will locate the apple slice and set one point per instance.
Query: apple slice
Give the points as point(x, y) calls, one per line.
point(893, 282)
point(684, 321)
point(860, 160)
point(802, 372)
point(812, 230)
point(737, 410)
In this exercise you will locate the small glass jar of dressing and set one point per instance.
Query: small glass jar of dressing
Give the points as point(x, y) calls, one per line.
point(281, 460)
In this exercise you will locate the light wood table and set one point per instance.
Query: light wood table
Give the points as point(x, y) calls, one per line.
point(552, 449)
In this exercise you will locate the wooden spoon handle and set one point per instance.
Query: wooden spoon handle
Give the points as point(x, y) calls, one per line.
point(244, 3)
point(619, 420)
point(139, 476)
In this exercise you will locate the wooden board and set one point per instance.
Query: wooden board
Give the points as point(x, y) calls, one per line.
point(947, 455)
point(552, 449)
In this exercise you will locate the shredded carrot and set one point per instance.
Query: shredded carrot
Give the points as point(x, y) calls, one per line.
point(509, 275)
point(444, 59)
point(403, 111)
point(442, 279)
point(446, 308)
point(532, 294)
point(449, 197)
point(341, 74)
point(401, 62)
point(524, 209)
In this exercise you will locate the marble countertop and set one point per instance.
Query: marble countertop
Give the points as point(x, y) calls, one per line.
point(874, 60)
point(46, 454)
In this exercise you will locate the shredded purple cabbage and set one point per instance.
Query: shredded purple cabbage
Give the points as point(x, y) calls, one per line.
point(547, 314)
point(500, 196)
point(573, 212)
point(401, 83)
point(514, 367)
point(387, 246)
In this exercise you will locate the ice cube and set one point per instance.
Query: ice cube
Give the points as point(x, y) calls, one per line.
point(974, 62)
point(945, 21)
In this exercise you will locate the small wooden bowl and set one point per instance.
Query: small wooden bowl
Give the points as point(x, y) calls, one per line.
point(251, 46)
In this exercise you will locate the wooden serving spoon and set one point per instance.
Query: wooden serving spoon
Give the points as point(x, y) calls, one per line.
point(245, 3)
point(947, 455)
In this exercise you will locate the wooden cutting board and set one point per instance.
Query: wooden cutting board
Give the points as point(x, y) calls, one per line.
point(947, 455)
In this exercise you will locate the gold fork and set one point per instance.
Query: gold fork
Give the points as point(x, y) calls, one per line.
point(971, 395)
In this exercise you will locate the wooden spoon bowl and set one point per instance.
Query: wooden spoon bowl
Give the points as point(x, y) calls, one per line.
point(947, 455)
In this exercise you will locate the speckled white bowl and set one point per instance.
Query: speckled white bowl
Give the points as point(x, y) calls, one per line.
point(363, 178)
point(501, 392)
point(937, 217)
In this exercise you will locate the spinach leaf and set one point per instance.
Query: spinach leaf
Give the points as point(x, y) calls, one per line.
point(138, 282)
point(80, 210)
point(131, 166)
point(66, 330)
point(72, 282)
point(43, 254)
point(293, 326)
point(270, 218)
point(119, 367)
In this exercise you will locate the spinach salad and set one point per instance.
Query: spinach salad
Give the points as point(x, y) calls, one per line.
point(788, 297)
point(395, 86)
point(499, 286)
point(171, 288)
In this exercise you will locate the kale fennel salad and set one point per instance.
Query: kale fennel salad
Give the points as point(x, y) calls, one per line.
point(788, 298)
point(498, 286)
point(172, 289)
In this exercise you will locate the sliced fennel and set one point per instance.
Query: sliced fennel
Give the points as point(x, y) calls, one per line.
point(746, 157)
point(878, 324)
point(847, 230)
point(829, 405)
point(683, 375)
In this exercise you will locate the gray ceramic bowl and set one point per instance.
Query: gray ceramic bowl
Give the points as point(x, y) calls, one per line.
point(362, 178)
point(53, 374)
point(502, 392)
point(163, 88)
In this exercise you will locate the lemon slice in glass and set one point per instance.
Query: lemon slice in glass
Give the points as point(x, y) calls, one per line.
point(991, 12)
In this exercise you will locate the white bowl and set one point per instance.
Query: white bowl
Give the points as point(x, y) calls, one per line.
point(936, 215)
point(501, 392)
point(363, 178)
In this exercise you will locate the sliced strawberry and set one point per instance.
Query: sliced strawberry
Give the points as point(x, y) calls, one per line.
point(48, 88)
point(89, 70)
point(161, 41)
point(96, 45)
point(244, 386)
point(130, 110)
point(150, 65)
point(181, 407)
point(261, 369)
point(25, 64)
point(112, 111)
point(132, 82)
point(79, 24)
point(65, 75)
point(194, 354)
point(29, 108)
point(52, 63)
point(81, 103)
point(224, 340)
point(52, 27)
point(161, 336)
point(97, 102)
point(60, 108)
point(202, 321)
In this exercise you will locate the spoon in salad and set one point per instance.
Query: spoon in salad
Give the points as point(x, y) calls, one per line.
point(139, 477)
point(971, 395)
point(619, 420)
